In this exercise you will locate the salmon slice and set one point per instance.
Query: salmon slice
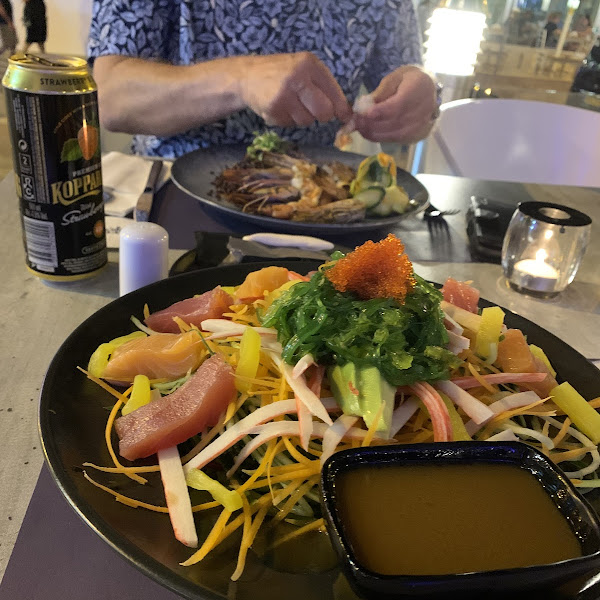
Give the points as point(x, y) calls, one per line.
point(161, 355)
point(210, 305)
point(514, 356)
point(175, 418)
point(461, 294)
point(264, 280)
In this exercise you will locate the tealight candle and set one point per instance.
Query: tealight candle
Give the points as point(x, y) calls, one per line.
point(535, 274)
point(543, 247)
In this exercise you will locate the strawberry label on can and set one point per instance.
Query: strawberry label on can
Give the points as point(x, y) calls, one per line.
point(56, 155)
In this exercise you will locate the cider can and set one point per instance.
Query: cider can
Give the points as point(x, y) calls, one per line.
point(52, 109)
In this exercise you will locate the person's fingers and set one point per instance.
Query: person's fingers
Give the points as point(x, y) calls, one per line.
point(387, 87)
point(323, 79)
point(317, 103)
point(293, 86)
point(299, 114)
point(396, 120)
point(398, 130)
point(402, 91)
point(405, 134)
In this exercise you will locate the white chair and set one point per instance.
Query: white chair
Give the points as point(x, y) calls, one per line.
point(513, 140)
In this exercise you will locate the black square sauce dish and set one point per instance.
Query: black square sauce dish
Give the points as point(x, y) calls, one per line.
point(456, 518)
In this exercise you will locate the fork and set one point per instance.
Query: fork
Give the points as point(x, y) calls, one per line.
point(431, 212)
point(435, 219)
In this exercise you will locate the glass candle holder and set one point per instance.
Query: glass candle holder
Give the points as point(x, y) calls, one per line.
point(543, 247)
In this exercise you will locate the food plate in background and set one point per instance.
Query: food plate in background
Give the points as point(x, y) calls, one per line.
point(195, 172)
point(73, 412)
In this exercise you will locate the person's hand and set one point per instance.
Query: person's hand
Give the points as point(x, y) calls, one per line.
point(292, 90)
point(403, 110)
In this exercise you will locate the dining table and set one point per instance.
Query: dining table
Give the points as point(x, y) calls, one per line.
point(46, 550)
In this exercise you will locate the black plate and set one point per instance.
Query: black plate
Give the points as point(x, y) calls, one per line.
point(72, 414)
point(195, 172)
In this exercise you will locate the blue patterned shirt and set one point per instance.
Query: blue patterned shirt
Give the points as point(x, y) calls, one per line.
point(360, 41)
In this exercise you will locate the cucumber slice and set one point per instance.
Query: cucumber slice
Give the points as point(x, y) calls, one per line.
point(379, 174)
point(370, 197)
point(397, 198)
point(383, 209)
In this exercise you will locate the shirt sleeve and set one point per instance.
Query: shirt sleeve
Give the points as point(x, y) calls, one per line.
point(135, 28)
point(398, 42)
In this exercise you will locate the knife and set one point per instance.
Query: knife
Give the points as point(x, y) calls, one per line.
point(240, 248)
point(305, 242)
point(144, 203)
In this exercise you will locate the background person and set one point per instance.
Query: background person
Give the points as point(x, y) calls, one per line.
point(8, 35)
point(194, 73)
point(552, 29)
point(34, 19)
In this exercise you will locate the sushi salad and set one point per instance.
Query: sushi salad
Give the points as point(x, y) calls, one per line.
point(231, 401)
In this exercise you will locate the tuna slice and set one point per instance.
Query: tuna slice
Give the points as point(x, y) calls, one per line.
point(161, 355)
point(175, 418)
point(461, 294)
point(210, 305)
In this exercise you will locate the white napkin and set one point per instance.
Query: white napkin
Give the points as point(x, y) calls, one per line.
point(113, 229)
point(124, 178)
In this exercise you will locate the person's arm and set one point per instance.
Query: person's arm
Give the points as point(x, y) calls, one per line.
point(5, 16)
point(140, 96)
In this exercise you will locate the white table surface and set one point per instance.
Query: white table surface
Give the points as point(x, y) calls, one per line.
point(38, 316)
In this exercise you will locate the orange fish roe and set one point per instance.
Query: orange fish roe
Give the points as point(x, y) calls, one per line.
point(374, 270)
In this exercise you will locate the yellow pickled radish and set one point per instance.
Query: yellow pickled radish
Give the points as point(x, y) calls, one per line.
point(230, 499)
point(578, 409)
point(140, 394)
point(459, 431)
point(249, 358)
point(101, 355)
point(488, 335)
point(539, 353)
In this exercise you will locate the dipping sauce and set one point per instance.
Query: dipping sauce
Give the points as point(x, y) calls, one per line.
point(438, 520)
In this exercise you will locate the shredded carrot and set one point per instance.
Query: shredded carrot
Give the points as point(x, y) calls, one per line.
point(295, 475)
point(105, 386)
point(373, 428)
point(507, 414)
point(277, 448)
point(576, 454)
point(262, 467)
point(210, 541)
point(123, 470)
point(111, 451)
point(295, 453)
point(421, 416)
point(481, 380)
point(315, 525)
point(245, 544)
point(414, 438)
point(293, 499)
point(247, 541)
point(205, 506)
point(563, 432)
point(125, 499)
